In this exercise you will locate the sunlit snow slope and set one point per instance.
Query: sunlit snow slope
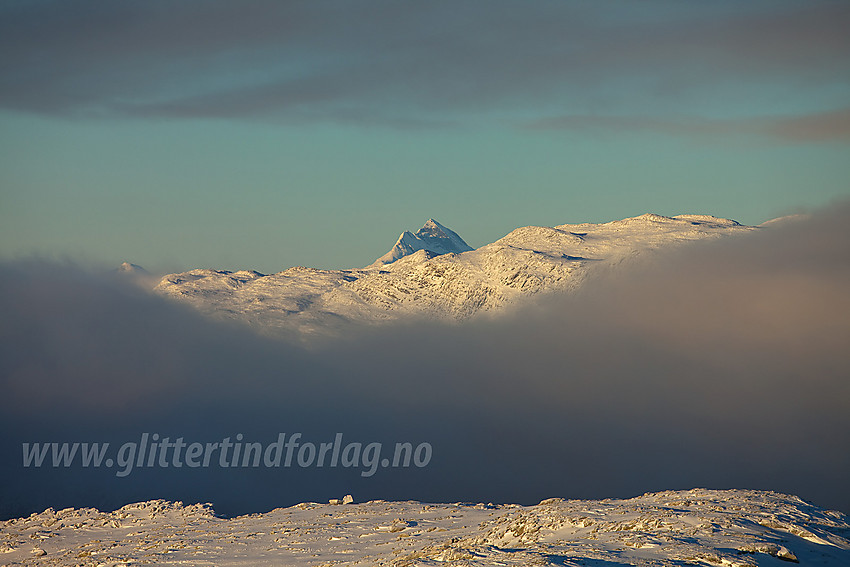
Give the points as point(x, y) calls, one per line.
point(696, 527)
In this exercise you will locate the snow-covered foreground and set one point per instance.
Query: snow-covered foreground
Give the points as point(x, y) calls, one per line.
point(709, 527)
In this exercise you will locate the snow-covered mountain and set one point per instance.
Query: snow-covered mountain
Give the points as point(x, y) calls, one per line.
point(734, 528)
point(435, 281)
point(433, 238)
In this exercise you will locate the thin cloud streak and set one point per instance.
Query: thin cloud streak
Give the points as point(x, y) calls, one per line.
point(823, 127)
point(832, 126)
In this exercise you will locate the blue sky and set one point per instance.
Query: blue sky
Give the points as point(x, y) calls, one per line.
point(265, 134)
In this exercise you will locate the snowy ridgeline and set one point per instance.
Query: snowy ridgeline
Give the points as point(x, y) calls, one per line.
point(703, 527)
point(434, 273)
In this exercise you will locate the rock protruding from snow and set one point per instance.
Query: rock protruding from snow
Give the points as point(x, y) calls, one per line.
point(432, 237)
point(743, 528)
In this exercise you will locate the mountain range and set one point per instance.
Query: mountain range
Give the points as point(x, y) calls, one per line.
point(434, 273)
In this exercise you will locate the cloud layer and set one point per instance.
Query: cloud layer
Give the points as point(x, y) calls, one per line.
point(724, 365)
point(406, 65)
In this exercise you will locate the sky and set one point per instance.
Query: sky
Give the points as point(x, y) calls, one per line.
point(264, 134)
